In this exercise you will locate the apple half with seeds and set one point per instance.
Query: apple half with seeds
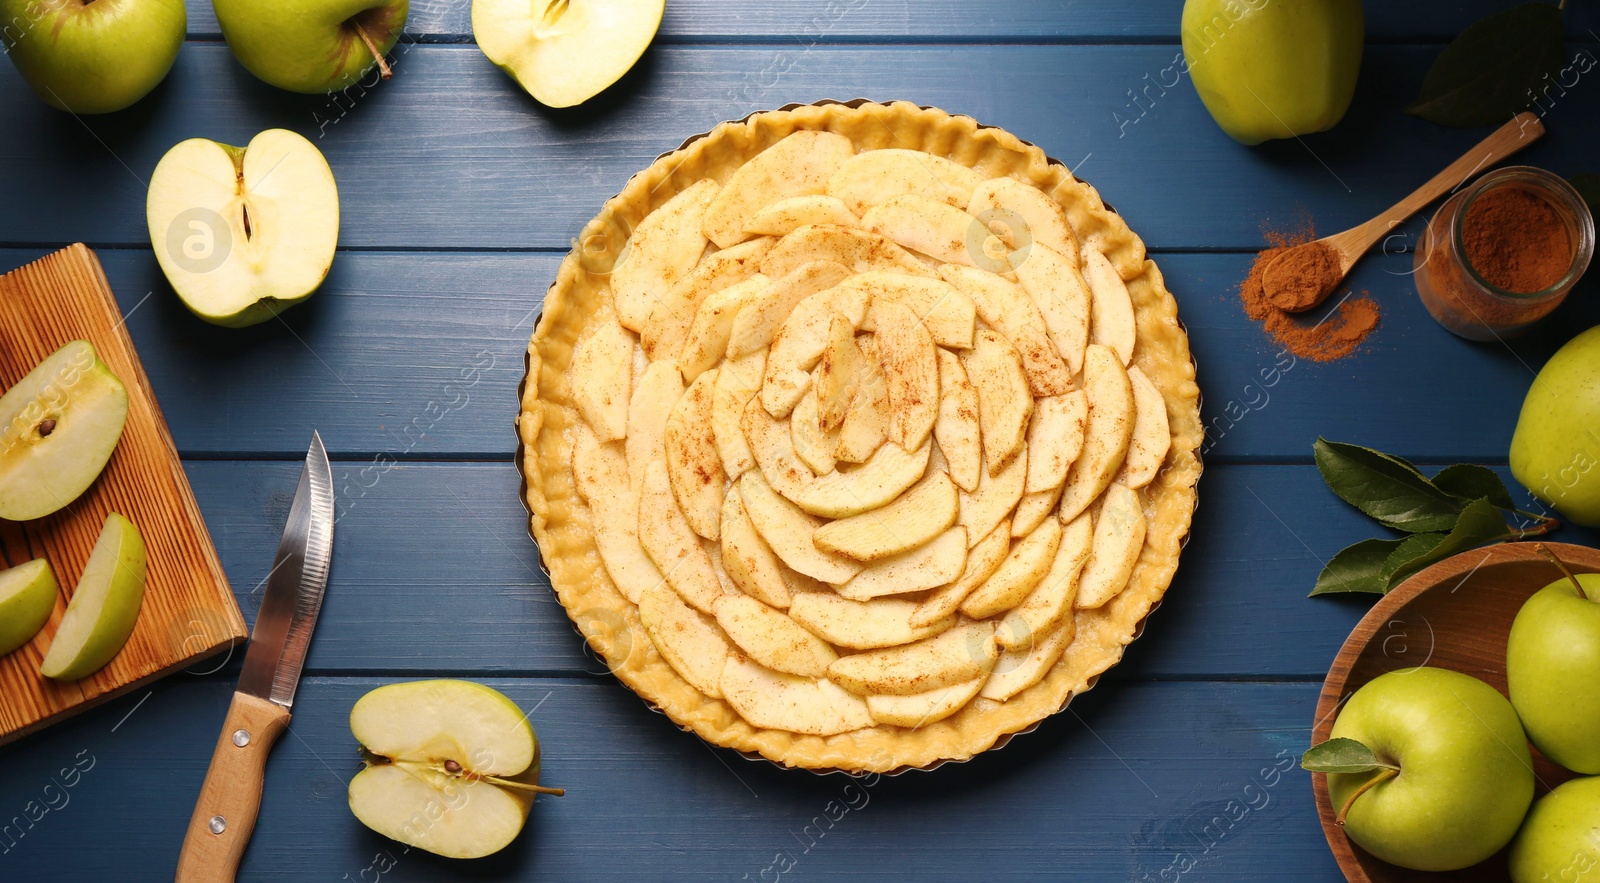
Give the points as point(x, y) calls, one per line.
point(451, 767)
point(565, 52)
point(243, 233)
point(58, 427)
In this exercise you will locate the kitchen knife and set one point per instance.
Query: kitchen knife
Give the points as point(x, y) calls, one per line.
point(225, 814)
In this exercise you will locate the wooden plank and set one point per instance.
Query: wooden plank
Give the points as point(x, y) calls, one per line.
point(419, 354)
point(807, 20)
point(434, 571)
point(450, 154)
point(1135, 778)
point(188, 611)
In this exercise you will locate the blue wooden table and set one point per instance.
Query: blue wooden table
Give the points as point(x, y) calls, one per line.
point(460, 195)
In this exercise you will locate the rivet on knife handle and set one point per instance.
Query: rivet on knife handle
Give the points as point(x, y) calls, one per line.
point(229, 800)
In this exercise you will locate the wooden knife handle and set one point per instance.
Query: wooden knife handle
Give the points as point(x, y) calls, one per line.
point(225, 814)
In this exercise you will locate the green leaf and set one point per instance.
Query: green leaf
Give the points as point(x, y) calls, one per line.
point(1480, 523)
point(1470, 481)
point(1485, 75)
point(1588, 186)
point(1357, 568)
point(1342, 756)
point(1386, 488)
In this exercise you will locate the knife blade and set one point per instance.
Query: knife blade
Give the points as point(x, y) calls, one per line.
point(230, 798)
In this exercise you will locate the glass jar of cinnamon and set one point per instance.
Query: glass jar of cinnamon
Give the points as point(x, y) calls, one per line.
point(1502, 253)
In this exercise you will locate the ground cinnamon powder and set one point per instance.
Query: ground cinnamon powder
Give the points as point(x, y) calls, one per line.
point(1300, 275)
point(1320, 336)
point(1516, 240)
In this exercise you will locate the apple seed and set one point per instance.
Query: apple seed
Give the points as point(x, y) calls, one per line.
point(47, 426)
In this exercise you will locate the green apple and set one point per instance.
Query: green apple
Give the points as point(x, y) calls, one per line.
point(92, 56)
point(1560, 840)
point(565, 52)
point(243, 233)
point(451, 767)
point(58, 427)
point(104, 606)
point(1552, 661)
point(1269, 69)
point(27, 597)
point(1464, 778)
point(1555, 451)
point(311, 46)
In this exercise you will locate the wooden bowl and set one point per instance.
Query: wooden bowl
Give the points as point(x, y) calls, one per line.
point(1455, 614)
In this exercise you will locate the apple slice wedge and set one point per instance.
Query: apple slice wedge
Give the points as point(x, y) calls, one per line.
point(58, 427)
point(450, 767)
point(27, 598)
point(243, 233)
point(565, 53)
point(104, 607)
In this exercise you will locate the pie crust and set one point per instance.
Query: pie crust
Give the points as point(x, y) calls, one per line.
point(561, 521)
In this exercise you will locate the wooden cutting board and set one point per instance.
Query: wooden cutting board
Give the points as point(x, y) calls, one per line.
point(189, 611)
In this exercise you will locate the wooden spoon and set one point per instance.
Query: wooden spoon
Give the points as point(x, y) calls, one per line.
point(1297, 291)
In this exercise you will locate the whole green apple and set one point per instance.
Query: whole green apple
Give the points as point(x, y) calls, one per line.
point(1560, 840)
point(1273, 69)
point(1556, 448)
point(1465, 776)
point(311, 45)
point(92, 56)
point(1552, 660)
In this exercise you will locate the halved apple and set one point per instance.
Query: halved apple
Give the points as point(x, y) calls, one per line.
point(104, 606)
point(27, 596)
point(565, 53)
point(243, 233)
point(451, 767)
point(58, 427)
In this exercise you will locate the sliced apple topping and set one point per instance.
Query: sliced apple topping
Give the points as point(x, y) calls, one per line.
point(1052, 599)
point(747, 558)
point(995, 498)
point(672, 316)
point(838, 376)
point(602, 479)
point(910, 371)
point(956, 428)
point(786, 215)
point(1055, 438)
point(1118, 537)
point(1009, 310)
point(655, 394)
point(602, 376)
point(874, 177)
point(713, 325)
point(955, 657)
point(866, 421)
point(1111, 309)
point(1152, 435)
point(920, 709)
point(688, 640)
point(787, 529)
point(1062, 295)
point(778, 701)
point(917, 517)
point(1022, 215)
point(663, 249)
point(754, 327)
point(799, 165)
point(738, 381)
point(863, 625)
point(885, 475)
point(813, 444)
point(773, 639)
point(924, 225)
point(928, 566)
point(1017, 575)
point(693, 465)
point(947, 313)
point(1106, 432)
point(859, 250)
point(1004, 403)
point(671, 544)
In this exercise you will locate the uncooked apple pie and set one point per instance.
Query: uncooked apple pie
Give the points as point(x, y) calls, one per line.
point(859, 436)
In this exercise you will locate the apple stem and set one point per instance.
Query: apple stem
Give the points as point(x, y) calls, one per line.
point(524, 786)
point(383, 64)
point(1383, 775)
point(1562, 566)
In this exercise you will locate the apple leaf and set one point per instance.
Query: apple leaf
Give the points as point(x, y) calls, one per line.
point(1469, 481)
point(1357, 568)
point(1588, 186)
point(1342, 756)
point(1492, 70)
point(1385, 487)
point(1414, 553)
